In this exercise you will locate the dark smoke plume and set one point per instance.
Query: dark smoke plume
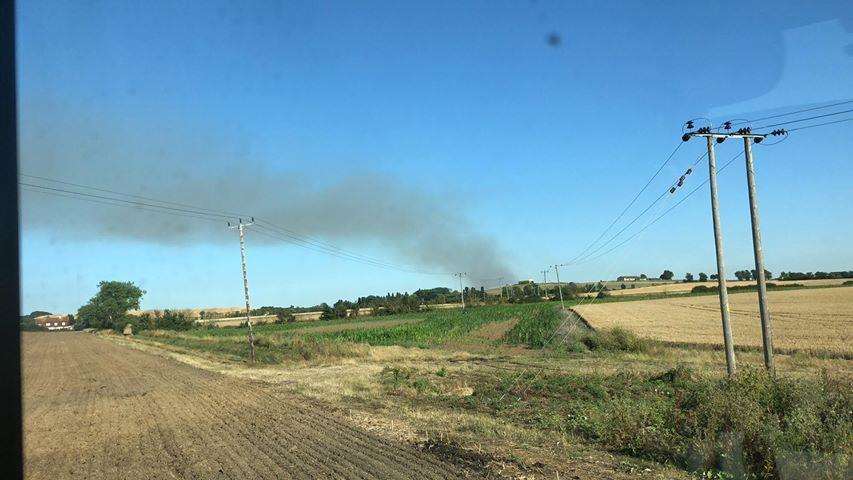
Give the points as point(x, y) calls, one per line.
point(163, 161)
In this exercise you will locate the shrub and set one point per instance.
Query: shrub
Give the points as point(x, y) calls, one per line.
point(753, 425)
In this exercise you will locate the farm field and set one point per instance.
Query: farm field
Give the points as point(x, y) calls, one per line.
point(97, 410)
point(809, 320)
point(502, 391)
point(531, 392)
point(681, 287)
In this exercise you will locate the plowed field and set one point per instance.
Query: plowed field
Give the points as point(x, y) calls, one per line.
point(96, 410)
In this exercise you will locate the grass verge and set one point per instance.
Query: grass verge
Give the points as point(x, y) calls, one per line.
point(750, 426)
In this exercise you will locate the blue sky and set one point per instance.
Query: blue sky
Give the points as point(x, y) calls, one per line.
point(532, 149)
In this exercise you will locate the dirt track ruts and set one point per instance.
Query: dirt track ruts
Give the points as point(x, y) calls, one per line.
point(96, 410)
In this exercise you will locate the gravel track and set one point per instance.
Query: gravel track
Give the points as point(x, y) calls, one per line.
point(96, 410)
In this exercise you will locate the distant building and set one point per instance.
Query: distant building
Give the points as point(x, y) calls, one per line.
point(627, 278)
point(55, 322)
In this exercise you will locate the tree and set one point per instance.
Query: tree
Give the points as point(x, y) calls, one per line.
point(743, 275)
point(688, 277)
point(328, 312)
point(667, 275)
point(643, 276)
point(767, 274)
point(622, 286)
point(108, 308)
point(340, 308)
point(714, 276)
point(703, 277)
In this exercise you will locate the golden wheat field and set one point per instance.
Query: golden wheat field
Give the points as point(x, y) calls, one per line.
point(819, 320)
point(680, 288)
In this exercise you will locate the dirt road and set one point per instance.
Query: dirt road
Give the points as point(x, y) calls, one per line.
point(96, 410)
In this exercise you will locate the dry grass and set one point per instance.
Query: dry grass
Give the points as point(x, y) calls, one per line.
point(680, 288)
point(810, 320)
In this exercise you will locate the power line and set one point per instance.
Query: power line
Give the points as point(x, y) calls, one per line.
point(163, 206)
point(804, 119)
point(663, 195)
point(102, 202)
point(793, 113)
point(820, 124)
point(330, 247)
point(132, 202)
point(630, 204)
point(267, 231)
point(673, 207)
point(129, 195)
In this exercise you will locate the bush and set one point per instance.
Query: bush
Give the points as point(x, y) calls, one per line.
point(753, 425)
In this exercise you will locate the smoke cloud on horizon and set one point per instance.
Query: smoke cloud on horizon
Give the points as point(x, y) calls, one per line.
point(353, 210)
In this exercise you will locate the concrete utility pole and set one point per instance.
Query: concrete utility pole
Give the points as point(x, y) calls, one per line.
point(766, 323)
point(461, 290)
point(240, 228)
point(545, 281)
point(559, 286)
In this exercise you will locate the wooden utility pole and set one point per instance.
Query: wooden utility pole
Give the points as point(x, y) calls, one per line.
point(731, 366)
point(461, 290)
point(766, 322)
point(240, 228)
point(559, 286)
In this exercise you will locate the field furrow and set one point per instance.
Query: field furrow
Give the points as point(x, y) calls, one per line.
point(98, 410)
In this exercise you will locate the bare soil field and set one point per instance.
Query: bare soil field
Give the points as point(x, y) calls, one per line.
point(817, 320)
point(94, 409)
point(680, 288)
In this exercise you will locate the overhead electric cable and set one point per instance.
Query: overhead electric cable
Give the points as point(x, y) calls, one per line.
point(792, 113)
point(630, 204)
point(803, 119)
point(164, 206)
point(635, 234)
point(820, 124)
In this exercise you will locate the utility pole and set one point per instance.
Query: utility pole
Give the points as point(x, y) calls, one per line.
point(766, 323)
point(240, 228)
point(718, 244)
point(545, 281)
point(559, 286)
point(461, 291)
